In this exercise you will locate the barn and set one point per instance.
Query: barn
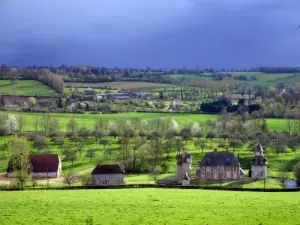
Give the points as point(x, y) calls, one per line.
point(104, 175)
point(43, 166)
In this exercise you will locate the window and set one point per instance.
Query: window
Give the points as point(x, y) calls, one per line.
point(208, 175)
point(228, 168)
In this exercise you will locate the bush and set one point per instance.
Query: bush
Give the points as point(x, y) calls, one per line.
point(39, 142)
point(164, 167)
point(297, 172)
point(86, 180)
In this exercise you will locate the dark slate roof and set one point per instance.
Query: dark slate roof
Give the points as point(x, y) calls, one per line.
point(183, 158)
point(44, 163)
point(219, 159)
point(108, 169)
point(259, 160)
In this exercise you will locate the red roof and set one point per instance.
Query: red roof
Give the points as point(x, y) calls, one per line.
point(44, 163)
point(108, 169)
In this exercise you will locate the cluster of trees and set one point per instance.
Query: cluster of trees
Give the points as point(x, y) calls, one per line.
point(245, 78)
point(144, 146)
point(227, 106)
point(43, 75)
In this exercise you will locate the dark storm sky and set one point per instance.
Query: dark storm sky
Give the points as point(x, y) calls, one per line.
point(156, 33)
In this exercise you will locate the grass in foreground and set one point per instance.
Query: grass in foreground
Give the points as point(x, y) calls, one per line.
point(26, 88)
point(149, 206)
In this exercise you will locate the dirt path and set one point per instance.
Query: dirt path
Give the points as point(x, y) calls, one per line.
point(6, 180)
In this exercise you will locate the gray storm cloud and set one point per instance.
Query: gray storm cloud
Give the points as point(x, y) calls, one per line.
point(156, 33)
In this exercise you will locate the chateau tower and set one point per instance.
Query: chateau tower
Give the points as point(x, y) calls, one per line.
point(183, 170)
point(259, 165)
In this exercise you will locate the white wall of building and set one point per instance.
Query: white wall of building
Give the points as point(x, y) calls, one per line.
point(108, 179)
point(259, 172)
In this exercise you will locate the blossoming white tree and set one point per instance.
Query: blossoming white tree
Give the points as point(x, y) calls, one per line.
point(144, 124)
point(195, 129)
point(173, 126)
point(12, 124)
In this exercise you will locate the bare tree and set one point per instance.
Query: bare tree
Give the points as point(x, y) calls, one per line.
point(283, 174)
point(70, 178)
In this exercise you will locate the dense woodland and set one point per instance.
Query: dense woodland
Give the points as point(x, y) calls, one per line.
point(103, 74)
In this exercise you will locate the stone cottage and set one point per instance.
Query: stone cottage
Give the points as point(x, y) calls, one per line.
point(104, 175)
point(42, 166)
point(183, 169)
point(216, 166)
point(259, 165)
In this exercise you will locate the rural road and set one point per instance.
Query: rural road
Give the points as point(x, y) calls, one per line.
point(6, 180)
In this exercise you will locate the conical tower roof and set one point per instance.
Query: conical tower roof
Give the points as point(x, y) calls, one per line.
point(259, 150)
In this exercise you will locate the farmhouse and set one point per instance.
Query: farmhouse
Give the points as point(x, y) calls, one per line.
point(216, 166)
point(259, 164)
point(89, 91)
point(104, 175)
point(183, 169)
point(176, 102)
point(44, 165)
point(127, 95)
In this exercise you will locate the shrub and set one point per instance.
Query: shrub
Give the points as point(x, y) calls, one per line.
point(297, 172)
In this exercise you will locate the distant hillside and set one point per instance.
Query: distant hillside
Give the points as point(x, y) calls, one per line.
point(26, 88)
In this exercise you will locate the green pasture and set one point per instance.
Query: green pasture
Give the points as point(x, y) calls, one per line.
point(87, 120)
point(192, 76)
point(263, 77)
point(69, 90)
point(26, 88)
point(148, 206)
point(128, 85)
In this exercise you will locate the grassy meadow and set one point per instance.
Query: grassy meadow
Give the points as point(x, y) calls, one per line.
point(69, 90)
point(87, 120)
point(26, 88)
point(262, 79)
point(149, 206)
point(128, 85)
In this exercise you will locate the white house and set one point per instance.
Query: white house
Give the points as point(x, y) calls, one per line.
point(259, 165)
point(176, 102)
point(183, 169)
point(104, 175)
point(43, 166)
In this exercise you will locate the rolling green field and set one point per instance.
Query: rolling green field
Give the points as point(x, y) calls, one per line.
point(149, 206)
point(26, 88)
point(119, 85)
point(69, 90)
point(263, 79)
point(87, 120)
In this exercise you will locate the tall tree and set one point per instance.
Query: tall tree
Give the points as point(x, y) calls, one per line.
point(19, 161)
point(72, 125)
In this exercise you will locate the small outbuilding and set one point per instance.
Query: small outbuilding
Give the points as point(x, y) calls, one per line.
point(290, 184)
point(104, 175)
point(43, 166)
